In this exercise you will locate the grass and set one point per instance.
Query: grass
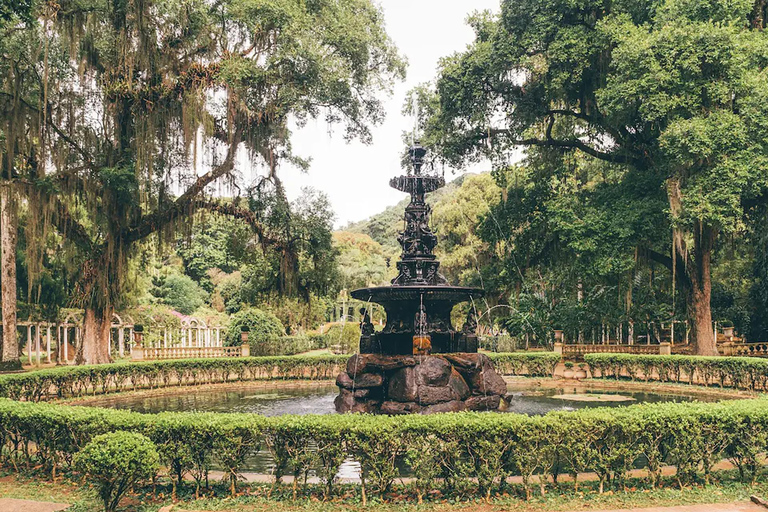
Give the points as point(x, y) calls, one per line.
point(254, 498)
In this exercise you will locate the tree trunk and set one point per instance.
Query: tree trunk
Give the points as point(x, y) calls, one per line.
point(94, 347)
point(697, 274)
point(8, 232)
point(699, 295)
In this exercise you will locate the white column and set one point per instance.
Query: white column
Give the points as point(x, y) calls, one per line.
point(58, 344)
point(218, 336)
point(66, 343)
point(29, 343)
point(48, 344)
point(37, 343)
point(121, 340)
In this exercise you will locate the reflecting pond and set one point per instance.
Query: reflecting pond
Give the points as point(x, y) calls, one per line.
point(271, 400)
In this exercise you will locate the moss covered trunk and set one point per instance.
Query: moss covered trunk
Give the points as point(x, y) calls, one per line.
point(8, 234)
point(699, 295)
point(94, 347)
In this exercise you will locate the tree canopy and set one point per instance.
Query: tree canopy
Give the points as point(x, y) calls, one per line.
point(669, 94)
point(120, 116)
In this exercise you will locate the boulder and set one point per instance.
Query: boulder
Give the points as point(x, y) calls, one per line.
point(343, 380)
point(483, 403)
point(402, 385)
point(452, 406)
point(362, 393)
point(487, 382)
point(429, 395)
point(434, 371)
point(368, 380)
point(368, 363)
point(469, 363)
point(458, 385)
point(392, 407)
point(344, 401)
point(366, 407)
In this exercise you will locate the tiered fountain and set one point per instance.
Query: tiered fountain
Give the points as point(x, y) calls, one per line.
point(418, 362)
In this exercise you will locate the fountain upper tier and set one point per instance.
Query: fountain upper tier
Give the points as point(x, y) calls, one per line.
point(420, 299)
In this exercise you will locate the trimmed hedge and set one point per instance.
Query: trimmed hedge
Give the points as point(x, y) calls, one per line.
point(74, 381)
point(748, 373)
point(472, 451)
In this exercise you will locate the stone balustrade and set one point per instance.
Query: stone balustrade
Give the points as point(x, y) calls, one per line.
point(578, 350)
point(153, 353)
point(755, 349)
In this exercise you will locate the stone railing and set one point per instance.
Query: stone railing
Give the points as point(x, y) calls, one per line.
point(756, 349)
point(149, 353)
point(579, 350)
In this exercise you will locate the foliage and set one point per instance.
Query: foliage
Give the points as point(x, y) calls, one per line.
point(261, 326)
point(180, 292)
point(738, 372)
point(341, 336)
point(472, 451)
point(361, 260)
point(115, 462)
point(68, 381)
point(110, 109)
point(655, 100)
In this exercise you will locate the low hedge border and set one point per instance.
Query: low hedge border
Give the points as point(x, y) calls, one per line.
point(474, 452)
point(75, 381)
point(471, 451)
point(747, 373)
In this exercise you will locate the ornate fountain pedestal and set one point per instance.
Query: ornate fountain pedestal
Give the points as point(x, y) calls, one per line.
point(398, 384)
point(418, 362)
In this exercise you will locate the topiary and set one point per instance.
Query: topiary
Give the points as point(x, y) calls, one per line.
point(115, 462)
point(261, 326)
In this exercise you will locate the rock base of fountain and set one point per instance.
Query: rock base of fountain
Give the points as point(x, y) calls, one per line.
point(398, 384)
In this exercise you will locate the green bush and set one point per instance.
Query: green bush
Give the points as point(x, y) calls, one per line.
point(471, 451)
point(115, 462)
point(344, 337)
point(282, 346)
point(74, 381)
point(501, 343)
point(749, 373)
point(181, 292)
point(261, 326)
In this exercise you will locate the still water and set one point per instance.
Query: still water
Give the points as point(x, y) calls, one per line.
point(274, 401)
point(318, 399)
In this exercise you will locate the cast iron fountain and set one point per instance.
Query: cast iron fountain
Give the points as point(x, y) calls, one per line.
point(418, 362)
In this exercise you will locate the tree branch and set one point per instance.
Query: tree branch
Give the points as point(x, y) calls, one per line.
point(151, 223)
point(243, 214)
point(569, 144)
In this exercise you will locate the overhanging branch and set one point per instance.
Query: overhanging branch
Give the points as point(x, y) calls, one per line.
point(184, 204)
point(616, 158)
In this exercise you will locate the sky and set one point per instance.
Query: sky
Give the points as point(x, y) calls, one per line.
point(355, 176)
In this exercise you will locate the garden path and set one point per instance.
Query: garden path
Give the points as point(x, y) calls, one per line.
point(12, 505)
point(741, 506)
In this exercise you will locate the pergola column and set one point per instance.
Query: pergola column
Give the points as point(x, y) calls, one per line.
point(66, 343)
point(48, 343)
point(121, 341)
point(29, 343)
point(37, 343)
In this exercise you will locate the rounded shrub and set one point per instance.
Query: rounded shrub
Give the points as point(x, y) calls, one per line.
point(342, 337)
point(115, 462)
point(261, 326)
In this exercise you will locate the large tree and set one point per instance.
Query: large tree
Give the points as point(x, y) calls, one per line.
point(672, 91)
point(144, 106)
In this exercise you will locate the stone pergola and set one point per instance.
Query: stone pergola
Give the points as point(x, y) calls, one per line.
point(57, 342)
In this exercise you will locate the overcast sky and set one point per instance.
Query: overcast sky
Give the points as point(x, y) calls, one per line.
point(356, 176)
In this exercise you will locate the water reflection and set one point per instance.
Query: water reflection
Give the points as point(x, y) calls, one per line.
point(318, 399)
